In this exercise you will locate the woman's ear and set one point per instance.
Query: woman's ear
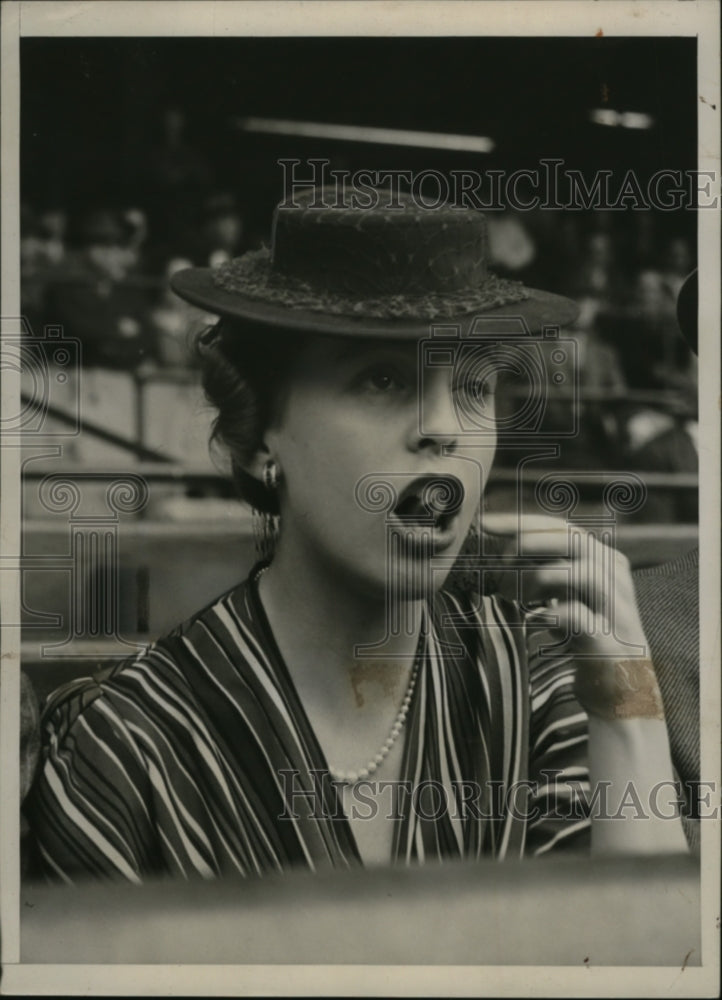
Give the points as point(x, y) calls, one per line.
point(256, 464)
point(266, 451)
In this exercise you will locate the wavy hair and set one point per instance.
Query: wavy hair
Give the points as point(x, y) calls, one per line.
point(244, 375)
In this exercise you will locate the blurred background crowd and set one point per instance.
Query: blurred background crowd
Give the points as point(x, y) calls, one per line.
point(103, 275)
point(103, 272)
point(135, 164)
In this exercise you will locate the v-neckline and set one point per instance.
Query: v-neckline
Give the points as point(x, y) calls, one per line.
point(305, 732)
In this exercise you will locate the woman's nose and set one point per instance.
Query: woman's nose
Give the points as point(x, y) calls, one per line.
point(437, 422)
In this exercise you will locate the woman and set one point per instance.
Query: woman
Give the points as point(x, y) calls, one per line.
point(339, 707)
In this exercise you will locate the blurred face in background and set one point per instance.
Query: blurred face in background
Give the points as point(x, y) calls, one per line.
point(650, 295)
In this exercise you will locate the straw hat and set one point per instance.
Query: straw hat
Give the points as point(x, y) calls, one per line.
point(390, 270)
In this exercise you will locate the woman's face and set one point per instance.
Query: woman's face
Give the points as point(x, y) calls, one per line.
point(383, 459)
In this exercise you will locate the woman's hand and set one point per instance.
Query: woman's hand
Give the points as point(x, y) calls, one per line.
point(582, 591)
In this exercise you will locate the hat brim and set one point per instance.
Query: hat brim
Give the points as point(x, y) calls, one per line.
point(196, 285)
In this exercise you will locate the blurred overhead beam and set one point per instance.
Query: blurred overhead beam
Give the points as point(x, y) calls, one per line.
point(363, 133)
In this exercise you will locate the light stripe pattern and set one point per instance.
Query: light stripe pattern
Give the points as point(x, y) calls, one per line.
point(180, 761)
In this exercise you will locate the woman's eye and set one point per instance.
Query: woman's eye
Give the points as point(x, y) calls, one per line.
point(384, 380)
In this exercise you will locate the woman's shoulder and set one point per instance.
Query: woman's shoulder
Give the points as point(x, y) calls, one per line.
point(163, 675)
point(236, 600)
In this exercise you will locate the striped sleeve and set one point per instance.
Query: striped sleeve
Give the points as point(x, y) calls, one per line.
point(89, 807)
point(558, 754)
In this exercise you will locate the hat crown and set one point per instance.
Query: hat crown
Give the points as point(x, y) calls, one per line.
point(371, 263)
point(377, 242)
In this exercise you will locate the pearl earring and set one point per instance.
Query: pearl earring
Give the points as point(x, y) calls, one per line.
point(266, 527)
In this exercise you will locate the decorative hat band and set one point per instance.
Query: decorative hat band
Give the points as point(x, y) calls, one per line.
point(254, 276)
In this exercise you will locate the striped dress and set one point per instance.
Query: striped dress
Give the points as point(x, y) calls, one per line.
point(197, 758)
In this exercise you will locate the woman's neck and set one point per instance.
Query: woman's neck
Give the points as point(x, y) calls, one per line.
point(336, 640)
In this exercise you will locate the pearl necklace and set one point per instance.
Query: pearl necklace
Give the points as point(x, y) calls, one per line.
point(352, 777)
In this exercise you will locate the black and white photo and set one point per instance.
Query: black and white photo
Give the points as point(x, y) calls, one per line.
point(360, 481)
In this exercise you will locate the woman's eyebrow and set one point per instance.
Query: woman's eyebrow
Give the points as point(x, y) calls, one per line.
point(346, 351)
point(357, 351)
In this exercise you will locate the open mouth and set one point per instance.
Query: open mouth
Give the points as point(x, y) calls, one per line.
point(430, 502)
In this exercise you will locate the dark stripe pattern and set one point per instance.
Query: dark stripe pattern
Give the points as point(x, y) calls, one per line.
point(180, 761)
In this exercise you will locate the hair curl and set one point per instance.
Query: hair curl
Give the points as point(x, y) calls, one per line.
point(244, 374)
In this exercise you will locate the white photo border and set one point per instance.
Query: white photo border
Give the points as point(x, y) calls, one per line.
point(416, 17)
